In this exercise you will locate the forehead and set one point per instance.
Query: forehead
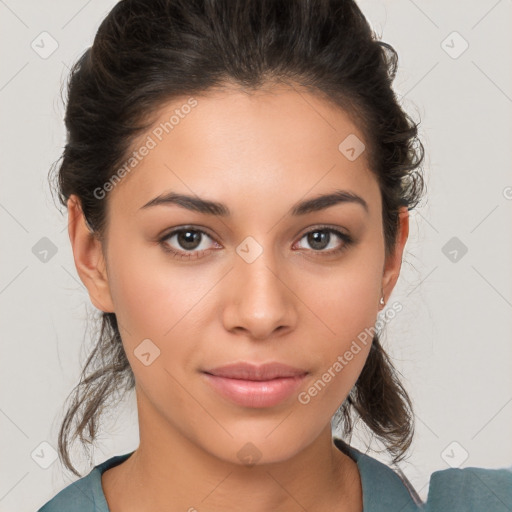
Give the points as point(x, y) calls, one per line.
point(275, 143)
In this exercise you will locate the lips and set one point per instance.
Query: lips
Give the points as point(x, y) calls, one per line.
point(250, 371)
point(250, 385)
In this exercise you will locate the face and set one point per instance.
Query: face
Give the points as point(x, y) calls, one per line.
point(264, 281)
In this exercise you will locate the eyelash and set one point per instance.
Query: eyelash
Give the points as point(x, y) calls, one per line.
point(198, 254)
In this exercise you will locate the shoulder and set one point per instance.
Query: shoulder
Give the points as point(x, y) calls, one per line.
point(85, 494)
point(470, 489)
point(76, 497)
point(384, 489)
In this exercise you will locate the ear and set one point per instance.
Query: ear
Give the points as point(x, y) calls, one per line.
point(88, 255)
point(393, 261)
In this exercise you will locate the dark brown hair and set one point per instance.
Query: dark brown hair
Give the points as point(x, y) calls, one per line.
point(148, 52)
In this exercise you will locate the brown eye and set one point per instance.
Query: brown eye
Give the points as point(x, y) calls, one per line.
point(188, 239)
point(321, 238)
point(187, 244)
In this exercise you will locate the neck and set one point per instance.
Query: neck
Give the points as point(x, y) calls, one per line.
point(170, 469)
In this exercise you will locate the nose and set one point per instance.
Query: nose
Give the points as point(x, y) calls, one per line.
point(260, 299)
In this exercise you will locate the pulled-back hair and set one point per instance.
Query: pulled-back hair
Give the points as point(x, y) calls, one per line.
point(148, 52)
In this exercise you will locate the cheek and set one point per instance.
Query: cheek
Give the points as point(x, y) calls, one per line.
point(157, 300)
point(151, 302)
point(348, 321)
point(345, 299)
point(150, 292)
point(345, 307)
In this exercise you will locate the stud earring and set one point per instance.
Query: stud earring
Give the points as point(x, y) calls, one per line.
point(382, 301)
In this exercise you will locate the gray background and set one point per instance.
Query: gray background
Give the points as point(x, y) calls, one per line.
point(451, 341)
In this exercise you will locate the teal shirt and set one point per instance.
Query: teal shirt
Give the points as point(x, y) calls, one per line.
point(384, 490)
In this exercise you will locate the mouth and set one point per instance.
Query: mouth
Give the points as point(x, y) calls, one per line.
point(249, 385)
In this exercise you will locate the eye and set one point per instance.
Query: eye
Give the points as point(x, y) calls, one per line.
point(189, 242)
point(321, 238)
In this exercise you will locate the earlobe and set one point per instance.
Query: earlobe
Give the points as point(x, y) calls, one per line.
point(88, 255)
point(393, 262)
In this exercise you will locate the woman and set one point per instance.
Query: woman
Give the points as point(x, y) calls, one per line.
point(268, 132)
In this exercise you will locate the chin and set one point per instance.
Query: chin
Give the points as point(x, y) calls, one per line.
point(248, 448)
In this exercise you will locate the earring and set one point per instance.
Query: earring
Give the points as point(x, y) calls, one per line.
point(382, 301)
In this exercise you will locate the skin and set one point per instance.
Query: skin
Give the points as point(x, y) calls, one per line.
point(258, 153)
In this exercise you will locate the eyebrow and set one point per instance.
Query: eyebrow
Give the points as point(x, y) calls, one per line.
point(208, 207)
